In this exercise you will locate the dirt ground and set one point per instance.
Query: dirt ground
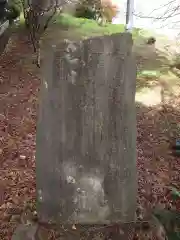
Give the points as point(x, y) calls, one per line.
point(158, 124)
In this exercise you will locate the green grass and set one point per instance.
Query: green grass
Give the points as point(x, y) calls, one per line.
point(88, 27)
point(85, 27)
point(149, 73)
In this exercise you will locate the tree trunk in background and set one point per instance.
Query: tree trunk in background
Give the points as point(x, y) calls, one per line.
point(38, 14)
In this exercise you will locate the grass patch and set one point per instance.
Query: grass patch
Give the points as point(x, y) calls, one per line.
point(149, 73)
point(88, 27)
point(83, 27)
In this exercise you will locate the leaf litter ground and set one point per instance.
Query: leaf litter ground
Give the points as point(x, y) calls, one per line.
point(157, 127)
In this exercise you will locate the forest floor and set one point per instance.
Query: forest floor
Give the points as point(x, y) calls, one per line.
point(158, 124)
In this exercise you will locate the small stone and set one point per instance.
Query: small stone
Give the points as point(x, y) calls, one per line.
point(73, 227)
point(22, 157)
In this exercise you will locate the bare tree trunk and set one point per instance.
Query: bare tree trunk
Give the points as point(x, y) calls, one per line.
point(38, 14)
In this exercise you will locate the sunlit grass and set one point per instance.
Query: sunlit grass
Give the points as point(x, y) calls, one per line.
point(151, 84)
point(149, 73)
point(84, 27)
point(89, 27)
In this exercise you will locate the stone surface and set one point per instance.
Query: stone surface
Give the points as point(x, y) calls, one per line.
point(86, 134)
point(25, 232)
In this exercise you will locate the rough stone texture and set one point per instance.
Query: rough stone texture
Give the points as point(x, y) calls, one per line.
point(86, 135)
point(25, 232)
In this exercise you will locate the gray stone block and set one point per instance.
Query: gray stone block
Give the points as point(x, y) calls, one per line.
point(86, 133)
point(25, 232)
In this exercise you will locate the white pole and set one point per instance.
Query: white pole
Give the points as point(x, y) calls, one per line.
point(129, 15)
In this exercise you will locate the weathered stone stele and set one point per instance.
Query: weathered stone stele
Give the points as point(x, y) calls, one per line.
point(86, 133)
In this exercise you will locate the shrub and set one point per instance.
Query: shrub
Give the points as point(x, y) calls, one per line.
point(16, 5)
point(85, 12)
point(14, 9)
point(96, 9)
point(109, 10)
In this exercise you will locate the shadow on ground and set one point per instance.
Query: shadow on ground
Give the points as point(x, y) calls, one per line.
point(157, 128)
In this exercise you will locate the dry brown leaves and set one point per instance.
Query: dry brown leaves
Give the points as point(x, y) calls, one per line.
point(18, 103)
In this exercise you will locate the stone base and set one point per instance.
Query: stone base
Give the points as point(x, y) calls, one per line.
point(80, 232)
point(25, 232)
